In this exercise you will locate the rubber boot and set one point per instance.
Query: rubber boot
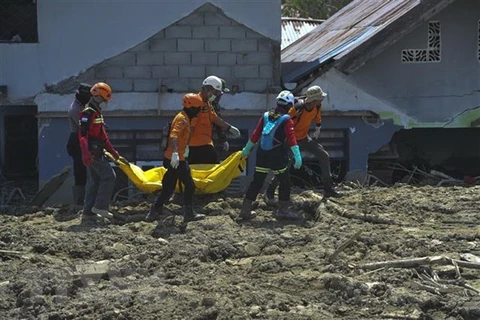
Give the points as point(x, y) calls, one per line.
point(155, 212)
point(88, 217)
point(191, 215)
point(177, 198)
point(283, 213)
point(269, 195)
point(246, 213)
point(329, 190)
point(102, 213)
point(78, 195)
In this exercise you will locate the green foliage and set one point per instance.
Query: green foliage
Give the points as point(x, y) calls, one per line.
point(315, 9)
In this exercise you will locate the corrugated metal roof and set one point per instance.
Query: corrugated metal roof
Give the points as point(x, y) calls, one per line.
point(295, 28)
point(346, 30)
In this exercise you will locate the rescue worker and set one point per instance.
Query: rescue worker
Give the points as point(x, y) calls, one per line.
point(93, 140)
point(221, 133)
point(175, 162)
point(201, 149)
point(273, 130)
point(82, 96)
point(305, 111)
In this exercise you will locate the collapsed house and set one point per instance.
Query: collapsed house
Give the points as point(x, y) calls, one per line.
point(402, 78)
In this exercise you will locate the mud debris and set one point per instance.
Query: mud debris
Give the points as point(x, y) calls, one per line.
point(52, 266)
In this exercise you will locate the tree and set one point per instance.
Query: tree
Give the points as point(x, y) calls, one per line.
point(315, 9)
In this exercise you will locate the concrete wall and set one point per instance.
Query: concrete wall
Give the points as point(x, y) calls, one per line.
point(179, 57)
point(432, 93)
point(345, 94)
point(73, 36)
point(365, 136)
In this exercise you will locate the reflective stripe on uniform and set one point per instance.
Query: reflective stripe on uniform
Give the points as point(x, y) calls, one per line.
point(266, 170)
point(98, 120)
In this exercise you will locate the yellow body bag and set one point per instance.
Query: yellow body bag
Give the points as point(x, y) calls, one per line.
point(208, 178)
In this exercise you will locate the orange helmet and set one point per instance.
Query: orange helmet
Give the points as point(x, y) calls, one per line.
point(102, 89)
point(192, 100)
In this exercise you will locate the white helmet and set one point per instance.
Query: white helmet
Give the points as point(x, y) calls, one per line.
point(285, 98)
point(213, 81)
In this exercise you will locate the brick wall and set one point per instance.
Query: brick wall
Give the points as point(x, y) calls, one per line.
point(179, 57)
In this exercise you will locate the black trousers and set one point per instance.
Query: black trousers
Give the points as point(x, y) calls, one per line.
point(170, 179)
point(74, 151)
point(203, 155)
point(277, 161)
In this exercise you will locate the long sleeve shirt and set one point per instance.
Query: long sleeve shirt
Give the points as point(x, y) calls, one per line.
point(73, 112)
point(287, 134)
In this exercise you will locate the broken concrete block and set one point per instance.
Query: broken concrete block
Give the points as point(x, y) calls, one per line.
point(92, 270)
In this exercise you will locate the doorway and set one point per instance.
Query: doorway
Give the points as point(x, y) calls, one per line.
point(19, 142)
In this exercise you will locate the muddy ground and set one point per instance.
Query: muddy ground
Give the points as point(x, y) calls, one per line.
point(54, 267)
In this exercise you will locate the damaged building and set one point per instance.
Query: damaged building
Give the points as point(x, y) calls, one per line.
point(402, 78)
point(151, 54)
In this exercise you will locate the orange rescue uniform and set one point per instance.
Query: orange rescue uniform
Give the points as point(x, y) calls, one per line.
point(180, 130)
point(202, 132)
point(302, 120)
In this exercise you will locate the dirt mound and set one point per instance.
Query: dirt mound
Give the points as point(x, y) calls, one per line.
point(328, 266)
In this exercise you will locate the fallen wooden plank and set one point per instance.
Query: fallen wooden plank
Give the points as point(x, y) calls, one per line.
point(342, 247)
point(416, 262)
point(50, 187)
point(364, 217)
point(11, 252)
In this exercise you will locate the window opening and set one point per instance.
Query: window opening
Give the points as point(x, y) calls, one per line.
point(433, 51)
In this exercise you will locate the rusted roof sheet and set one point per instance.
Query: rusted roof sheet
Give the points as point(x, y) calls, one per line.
point(346, 30)
point(295, 28)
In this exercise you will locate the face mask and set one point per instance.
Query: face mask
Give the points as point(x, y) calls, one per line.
point(191, 112)
point(212, 98)
point(103, 105)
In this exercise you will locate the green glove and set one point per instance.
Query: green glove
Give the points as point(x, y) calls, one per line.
point(248, 147)
point(297, 157)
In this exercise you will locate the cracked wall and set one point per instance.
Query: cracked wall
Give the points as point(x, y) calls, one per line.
point(431, 94)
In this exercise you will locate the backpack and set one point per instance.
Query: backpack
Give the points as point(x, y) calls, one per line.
point(300, 108)
point(165, 135)
point(269, 129)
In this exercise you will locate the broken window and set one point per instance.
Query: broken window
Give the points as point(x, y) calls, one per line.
point(432, 53)
point(18, 21)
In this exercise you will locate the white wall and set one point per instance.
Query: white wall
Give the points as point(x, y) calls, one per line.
point(344, 95)
point(75, 34)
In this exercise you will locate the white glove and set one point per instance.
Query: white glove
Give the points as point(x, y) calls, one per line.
point(316, 134)
point(225, 146)
point(234, 131)
point(175, 160)
point(186, 152)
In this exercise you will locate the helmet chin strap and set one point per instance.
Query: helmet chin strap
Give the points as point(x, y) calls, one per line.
point(96, 101)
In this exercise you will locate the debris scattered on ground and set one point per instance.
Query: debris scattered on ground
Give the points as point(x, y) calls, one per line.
point(404, 252)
